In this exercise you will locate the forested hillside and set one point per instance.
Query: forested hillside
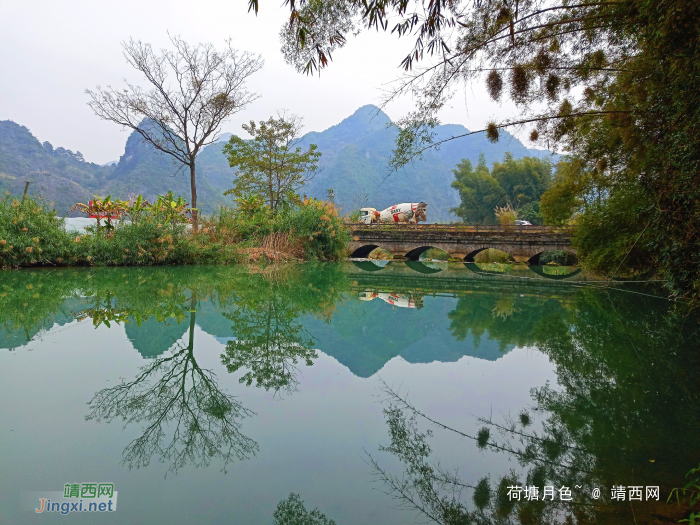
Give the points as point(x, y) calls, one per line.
point(355, 155)
point(61, 176)
point(354, 162)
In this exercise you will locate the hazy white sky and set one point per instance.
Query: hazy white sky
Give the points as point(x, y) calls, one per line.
point(52, 50)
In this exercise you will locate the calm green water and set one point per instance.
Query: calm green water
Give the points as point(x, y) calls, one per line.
point(207, 395)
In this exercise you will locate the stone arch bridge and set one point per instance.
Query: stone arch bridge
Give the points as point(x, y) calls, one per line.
point(405, 241)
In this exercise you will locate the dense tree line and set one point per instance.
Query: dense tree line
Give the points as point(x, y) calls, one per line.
point(519, 183)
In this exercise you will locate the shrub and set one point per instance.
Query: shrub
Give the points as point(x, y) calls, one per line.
point(354, 216)
point(380, 254)
point(317, 227)
point(506, 214)
point(144, 243)
point(31, 234)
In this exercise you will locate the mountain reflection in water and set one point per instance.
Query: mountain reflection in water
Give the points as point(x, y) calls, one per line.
point(622, 412)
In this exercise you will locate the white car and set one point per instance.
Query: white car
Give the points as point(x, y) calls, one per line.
point(522, 223)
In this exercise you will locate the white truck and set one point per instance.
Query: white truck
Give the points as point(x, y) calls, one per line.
point(407, 212)
point(394, 299)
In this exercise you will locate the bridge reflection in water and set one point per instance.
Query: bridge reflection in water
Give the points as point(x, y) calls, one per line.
point(456, 270)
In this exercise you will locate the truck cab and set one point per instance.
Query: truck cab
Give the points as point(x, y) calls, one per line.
point(368, 215)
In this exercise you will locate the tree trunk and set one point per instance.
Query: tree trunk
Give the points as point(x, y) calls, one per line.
point(193, 311)
point(193, 204)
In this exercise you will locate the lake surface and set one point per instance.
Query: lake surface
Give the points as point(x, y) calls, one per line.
point(208, 395)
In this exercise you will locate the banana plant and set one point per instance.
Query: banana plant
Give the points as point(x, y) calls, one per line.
point(103, 209)
point(136, 209)
point(173, 211)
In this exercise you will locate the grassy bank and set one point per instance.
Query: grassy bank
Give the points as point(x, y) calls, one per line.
point(31, 234)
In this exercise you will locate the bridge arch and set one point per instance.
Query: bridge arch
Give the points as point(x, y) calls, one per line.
point(370, 266)
point(535, 259)
point(363, 251)
point(421, 267)
point(415, 253)
point(470, 257)
point(539, 270)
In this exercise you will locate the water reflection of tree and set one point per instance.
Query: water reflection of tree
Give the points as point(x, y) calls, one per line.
point(188, 418)
point(266, 319)
point(292, 511)
point(625, 412)
point(270, 344)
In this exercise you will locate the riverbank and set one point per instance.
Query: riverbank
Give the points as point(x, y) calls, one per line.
point(32, 235)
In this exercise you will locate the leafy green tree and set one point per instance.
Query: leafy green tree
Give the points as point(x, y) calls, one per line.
point(269, 343)
point(524, 180)
point(518, 182)
point(479, 192)
point(574, 190)
point(272, 164)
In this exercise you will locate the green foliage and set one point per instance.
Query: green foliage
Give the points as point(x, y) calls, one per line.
point(517, 183)
point(144, 243)
point(272, 164)
point(291, 511)
point(531, 212)
point(168, 210)
point(482, 494)
point(435, 254)
point(317, 225)
point(571, 192)
point(617, 233)
point(314, 227)
point(612, 350)
point(479, 192)
point(690, 492)
point(523, 180)
point(615, 84)
point(492, 255)
point(31, 233)
point(482, 438)
point(559, 257)
point(354, 216)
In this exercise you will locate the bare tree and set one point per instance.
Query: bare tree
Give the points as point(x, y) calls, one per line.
point(194, 88)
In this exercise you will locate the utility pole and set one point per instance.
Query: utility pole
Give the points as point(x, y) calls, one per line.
point(26, 187)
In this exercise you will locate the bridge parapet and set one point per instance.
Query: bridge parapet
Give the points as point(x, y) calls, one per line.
point(461, 228)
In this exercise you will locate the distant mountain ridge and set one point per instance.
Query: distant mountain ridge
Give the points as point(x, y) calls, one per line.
point(354, 161)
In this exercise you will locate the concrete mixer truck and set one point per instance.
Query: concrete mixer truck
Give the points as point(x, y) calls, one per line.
point(407, 212)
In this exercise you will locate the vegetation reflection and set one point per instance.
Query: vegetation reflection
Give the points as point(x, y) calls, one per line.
point(623, 413)
point(188, 418)
point(270, 336)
